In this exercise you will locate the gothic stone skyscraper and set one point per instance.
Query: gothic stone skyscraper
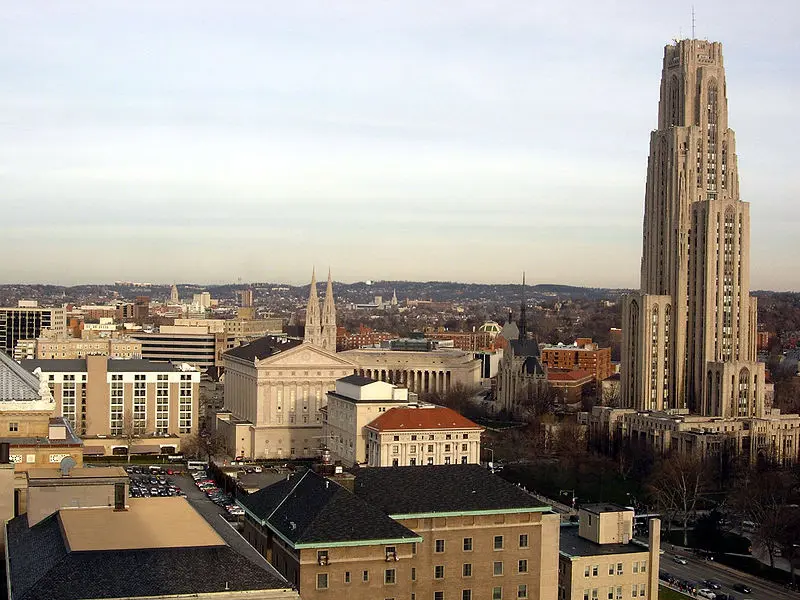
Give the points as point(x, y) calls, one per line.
point(689, 333)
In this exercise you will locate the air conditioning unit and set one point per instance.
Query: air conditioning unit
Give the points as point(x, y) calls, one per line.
point(323, 560)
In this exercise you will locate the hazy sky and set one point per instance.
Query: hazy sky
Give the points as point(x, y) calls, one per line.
point(433, 139)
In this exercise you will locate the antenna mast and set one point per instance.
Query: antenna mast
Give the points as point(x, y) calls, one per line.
point(692, 21)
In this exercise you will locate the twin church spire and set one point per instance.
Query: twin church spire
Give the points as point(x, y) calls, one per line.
point(321, 325)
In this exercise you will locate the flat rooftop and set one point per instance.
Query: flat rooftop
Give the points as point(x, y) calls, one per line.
point(78, 473)
point(572, 544)
point(148, 523)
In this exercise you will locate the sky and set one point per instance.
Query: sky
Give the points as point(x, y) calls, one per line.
point(455, 140)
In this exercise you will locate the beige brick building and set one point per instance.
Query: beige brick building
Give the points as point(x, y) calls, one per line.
point(598, 558)
point(76, 348)
point(121, 406)
point(434, 532)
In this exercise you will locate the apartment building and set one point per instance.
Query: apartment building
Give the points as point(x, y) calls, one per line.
point(406, 532)
point(422, 434)
point(598, 558)
point(27, 321)
point(583, 355)
point(75, 348)
point(123, 406)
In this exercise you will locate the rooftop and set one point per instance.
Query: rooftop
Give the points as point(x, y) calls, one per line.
point(574, 375)
point(604, 507)
point(17, 384)
point(44, 564)
point(421, 418)
point(113, 365)
point(357, 380)
point(77, 473)
point(262, 348)
point(572, 544)
point(441, 489)
point(308, 509)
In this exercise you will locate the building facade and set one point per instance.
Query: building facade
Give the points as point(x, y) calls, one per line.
point(599, 558)
point(422, 434)
point(583, 355)
point(274, 391)
point(76, 348)
point(123, 406)
point(422, 372)
point(407, 532)
point(27, 321)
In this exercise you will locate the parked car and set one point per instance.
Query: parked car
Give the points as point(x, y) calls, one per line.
point(740, 587)
point(706, 593)
point(710, 583)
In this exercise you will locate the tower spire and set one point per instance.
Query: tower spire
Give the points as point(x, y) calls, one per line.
point(328, 333)
point(313, 332)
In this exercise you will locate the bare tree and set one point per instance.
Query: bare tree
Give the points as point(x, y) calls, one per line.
point(677, 486)
point(535, 399)
point(204, 444)
point(128, 432)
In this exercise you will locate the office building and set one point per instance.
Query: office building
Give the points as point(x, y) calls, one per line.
point(123, 406)
point(27, 321)
point(598, 557)
point(438, 532)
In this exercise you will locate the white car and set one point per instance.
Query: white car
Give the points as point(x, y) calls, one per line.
point(704, 593)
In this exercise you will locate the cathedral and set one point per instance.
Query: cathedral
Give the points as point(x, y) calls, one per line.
point(321, 326)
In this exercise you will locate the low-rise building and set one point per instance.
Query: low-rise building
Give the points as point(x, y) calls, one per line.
point(46, 348)
point(583, 355)
point(407, 532)
point(598, 557)
point(124, 406)
point(422, 434)
point(569, 386)
point(84, 538)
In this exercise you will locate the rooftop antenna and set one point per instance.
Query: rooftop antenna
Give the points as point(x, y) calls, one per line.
point(692, 21)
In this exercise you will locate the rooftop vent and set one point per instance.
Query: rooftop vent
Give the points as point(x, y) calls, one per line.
point(66, 465)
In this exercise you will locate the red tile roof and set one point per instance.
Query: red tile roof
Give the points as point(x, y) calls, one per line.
point(418, 419)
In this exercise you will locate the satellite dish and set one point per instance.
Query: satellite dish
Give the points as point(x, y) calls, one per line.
point(66, 465)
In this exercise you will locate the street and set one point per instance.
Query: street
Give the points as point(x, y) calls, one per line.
point(697, 569)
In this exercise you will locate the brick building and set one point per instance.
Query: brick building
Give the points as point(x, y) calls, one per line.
point(583, 355)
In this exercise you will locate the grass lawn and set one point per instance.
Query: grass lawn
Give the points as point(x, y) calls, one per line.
point(668, 594)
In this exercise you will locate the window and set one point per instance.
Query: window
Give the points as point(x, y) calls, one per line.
point(13, 426)
point(523, 540)
point(611, 569)
point(347, 576)
point(635, 566)
point(447, 447)
point(463, 447)
point(594, 570)
point(185, 405)
point(466, 570)
point(438, 572)
point(430, 447)
point(466, 594)
point(322, 557)
point(413, 574)
point(522, 565)
point(396, 438)
point(586, 571)
point(619, 592)
point(642, 590)
point(611, 593)
point(439, 546)
point(497, 569)
point(139, 404)
point(585, 594)
point(644, 566)
point(68, 404)
point(413, 438)
point(497, 593)
point(438, 595)
point(468, 544)
point(322, 581)
point(522, 591)
point(365, 575)
point(162, 404)
point(498, 542)
point(389, 577)
point(634, 587)
point(619, 568)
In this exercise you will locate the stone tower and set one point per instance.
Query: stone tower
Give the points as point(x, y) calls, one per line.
point(329, 318)
point(173, 295)
point(313, 333)
point(689, 333)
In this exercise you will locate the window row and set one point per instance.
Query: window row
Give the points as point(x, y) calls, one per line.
point(639, 566)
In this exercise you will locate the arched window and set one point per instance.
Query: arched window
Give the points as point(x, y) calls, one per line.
point(744, 392)
point(674, 101)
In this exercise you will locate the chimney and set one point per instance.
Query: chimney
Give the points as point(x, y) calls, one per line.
point(4, 453)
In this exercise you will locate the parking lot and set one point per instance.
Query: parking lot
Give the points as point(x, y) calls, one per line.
point(146, 483)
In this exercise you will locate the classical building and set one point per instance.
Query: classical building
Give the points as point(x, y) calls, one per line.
point(689, 335)
point(274, 390)
point(123, 406)
point(406, 532)
point(583, 355)
point(422, 434)
point(520, 374)
point(598, 557)
point(28, 321)
point(83, 537)
point(421, 371)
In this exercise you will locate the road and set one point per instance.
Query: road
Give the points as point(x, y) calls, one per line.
point(696, 570)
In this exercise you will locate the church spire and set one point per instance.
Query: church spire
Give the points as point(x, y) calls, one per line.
point(328, 333)
point(313, 326)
